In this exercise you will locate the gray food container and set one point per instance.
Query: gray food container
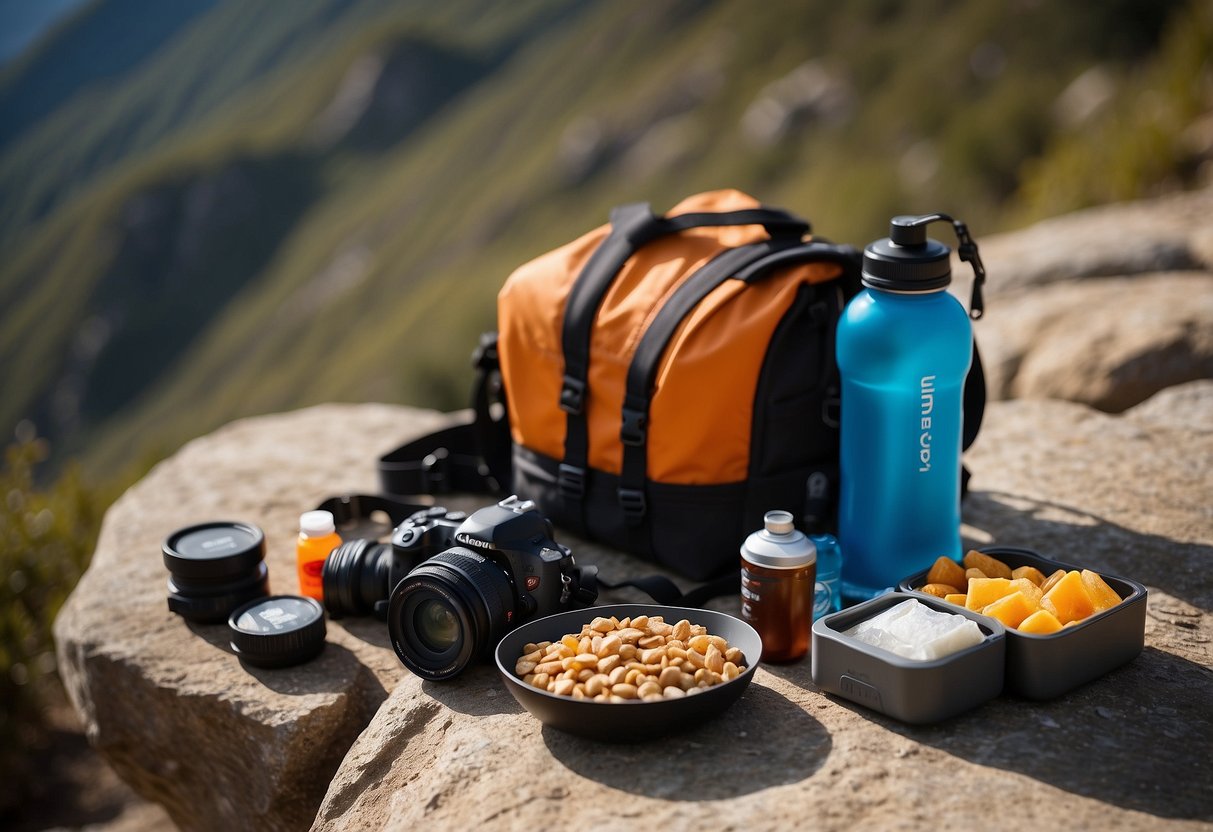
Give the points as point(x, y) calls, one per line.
point(913, 691)
point(1046, 666)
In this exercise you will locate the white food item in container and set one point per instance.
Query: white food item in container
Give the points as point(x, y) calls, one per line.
point(915, 631)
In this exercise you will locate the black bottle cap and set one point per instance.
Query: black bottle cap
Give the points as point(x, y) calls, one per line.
point(907, 260)
point(278, 631)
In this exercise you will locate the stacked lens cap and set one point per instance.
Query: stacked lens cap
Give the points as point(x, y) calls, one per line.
point(278, 631)
point(214, 568)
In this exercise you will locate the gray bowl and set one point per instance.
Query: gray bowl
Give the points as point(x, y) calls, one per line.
point(627, 721)
point(1047, 666)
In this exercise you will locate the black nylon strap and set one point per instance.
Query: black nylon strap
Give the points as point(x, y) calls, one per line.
point(664, 591)
point(349, 508)
point(470, 456)
point(974, 399)
point(439, 463)
point(631, 227)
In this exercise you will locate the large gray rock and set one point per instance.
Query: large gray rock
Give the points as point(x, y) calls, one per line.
point(182, 721)
point(166, 702)
point(1169, 234)
point(1105, 306)
point(1108, 343)
point(1127, 495)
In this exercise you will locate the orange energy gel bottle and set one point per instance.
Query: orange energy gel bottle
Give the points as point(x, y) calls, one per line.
point(317, 537)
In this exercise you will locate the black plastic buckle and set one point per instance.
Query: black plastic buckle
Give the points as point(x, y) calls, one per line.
point(831, 411)
point(572, 395)
point(634, 505)
point(485, 356)
point(635, 428)
point(571, 481)
point(434, 472)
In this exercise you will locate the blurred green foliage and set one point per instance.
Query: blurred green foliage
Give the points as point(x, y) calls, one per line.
point(1146, 138)
point(47, 536)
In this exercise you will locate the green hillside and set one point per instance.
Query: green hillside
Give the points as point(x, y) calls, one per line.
point(281, 208)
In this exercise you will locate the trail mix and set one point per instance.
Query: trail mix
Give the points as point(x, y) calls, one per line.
point(631, 659)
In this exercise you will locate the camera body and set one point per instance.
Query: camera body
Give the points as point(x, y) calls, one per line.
point(513, 534)
point(451, 585)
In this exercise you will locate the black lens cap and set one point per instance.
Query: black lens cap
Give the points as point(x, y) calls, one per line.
point(214, 552)
point(214, 568)
point(211, 604)
point(278, 631)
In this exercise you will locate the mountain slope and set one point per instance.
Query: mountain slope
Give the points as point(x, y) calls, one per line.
point(340, 229)
point(100, 41)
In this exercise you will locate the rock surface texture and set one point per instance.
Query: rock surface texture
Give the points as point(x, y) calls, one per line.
point(1106, 306)
point(353, 741)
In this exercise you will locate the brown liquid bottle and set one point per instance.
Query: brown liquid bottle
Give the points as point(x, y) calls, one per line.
point(778, 581)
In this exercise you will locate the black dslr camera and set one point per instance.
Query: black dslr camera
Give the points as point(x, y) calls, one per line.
point(450, 586)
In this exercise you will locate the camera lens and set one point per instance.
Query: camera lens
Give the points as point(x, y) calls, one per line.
point(435, 625)
point(448, 611)
point(355, 577)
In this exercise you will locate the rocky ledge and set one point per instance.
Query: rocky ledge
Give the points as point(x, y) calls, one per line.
point(352, 741)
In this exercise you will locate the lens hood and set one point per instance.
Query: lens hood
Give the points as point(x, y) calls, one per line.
point(214, 568)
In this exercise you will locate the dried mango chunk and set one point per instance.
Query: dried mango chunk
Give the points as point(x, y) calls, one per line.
point(1068, 599)
point(1030, 572)
point(1030, 590)
point(1011, 609)
point(985, 591)
point(992, 567)
point(939, 590)
point(1102, 595)
point(1041, 621)
point(946, 571)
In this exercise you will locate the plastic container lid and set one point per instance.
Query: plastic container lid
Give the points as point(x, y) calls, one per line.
point(317, 523)
point(779, 545)
point(278, 631)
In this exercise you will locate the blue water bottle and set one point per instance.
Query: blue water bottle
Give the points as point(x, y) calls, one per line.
point(828, 595)
point(904, 346)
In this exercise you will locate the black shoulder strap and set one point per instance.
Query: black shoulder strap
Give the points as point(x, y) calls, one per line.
point(974, 399)
point(470, 456)
point(631, 227)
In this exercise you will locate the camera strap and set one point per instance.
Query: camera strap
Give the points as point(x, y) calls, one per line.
point(665, 592)
point(471, 456)
point(354, 508)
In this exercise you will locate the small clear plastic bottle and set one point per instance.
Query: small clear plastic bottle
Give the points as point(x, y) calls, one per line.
point(317, 538)
point(828, 597)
